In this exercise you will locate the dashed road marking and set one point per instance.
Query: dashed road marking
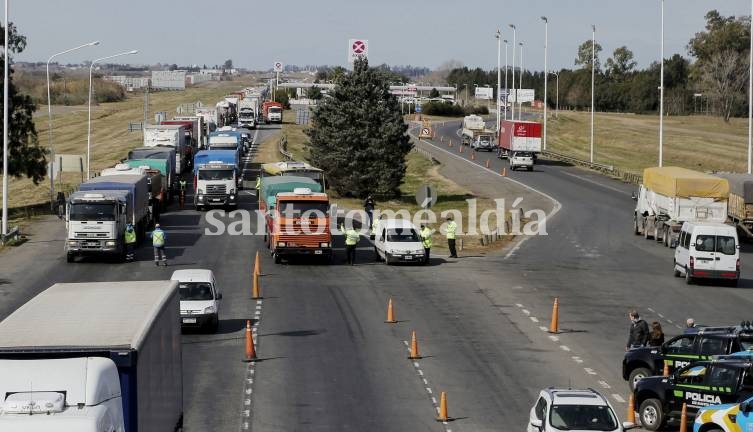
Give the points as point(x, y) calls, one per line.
point(534, 319)
point(526, 311)
point(618, 398)
point(554, 338)
point(577, 359)
point(544, 329)
point(427, 387)
point(564, 348)
point(590, 371)
point(518, 305)
point(604, 384)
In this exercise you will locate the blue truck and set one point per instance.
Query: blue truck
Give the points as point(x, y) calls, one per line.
point(216, 178)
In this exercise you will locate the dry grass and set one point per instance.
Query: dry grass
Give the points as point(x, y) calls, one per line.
point(631, 142)
point(110, 137)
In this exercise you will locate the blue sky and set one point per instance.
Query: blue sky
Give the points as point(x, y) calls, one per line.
point(254, 33)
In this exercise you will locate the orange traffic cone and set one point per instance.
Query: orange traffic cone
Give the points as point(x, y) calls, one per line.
point(487, 163)
point(256, 293)
point(504, 172)
point(390, 313)
point(473, 155)
point(666, 368)
point(250, 350)
point(414, 347)
point(461, 148)
point(443, 417)
point(449, 143)
point(441, 139)
point(554, 326)
point(684, 418)
point(257, 264)
point(631, 409)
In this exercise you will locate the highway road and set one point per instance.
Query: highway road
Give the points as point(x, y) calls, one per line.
point(328, 362)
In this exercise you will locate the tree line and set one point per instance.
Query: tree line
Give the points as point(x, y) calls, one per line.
point(718, 74)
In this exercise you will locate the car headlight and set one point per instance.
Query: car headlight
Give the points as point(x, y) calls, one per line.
point(210, 310)
point(200, 192)
point(281, 244)
point(109, 243)
point(324, 244)
point(72, 243)
point(418, 251)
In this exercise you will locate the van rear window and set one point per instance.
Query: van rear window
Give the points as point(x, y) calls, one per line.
point(709, 243)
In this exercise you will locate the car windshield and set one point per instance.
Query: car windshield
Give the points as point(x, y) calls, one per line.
point(402, 235)
point(523, 154)
point(92, 212)
point(195, 291)
point(583, 417)
point(298, 208)
point(216, 174)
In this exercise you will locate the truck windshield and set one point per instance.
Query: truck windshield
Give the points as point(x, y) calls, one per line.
point(402, 235)
point(275, 110)
point(195, 291)
point(215, 174)
point(298, 208)
point(583, 417)
point(92, 212)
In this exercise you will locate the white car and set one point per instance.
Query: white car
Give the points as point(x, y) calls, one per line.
point(199, 299)
point(574, 410)
point(521, 160)
point(398, 240)
point(708, 251)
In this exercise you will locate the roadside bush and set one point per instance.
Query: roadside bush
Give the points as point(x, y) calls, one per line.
point(442, 109)
point(69, 90)
point(475, 109)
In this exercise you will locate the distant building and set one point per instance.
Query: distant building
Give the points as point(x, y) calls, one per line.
point(169, 80)
point(130, 83)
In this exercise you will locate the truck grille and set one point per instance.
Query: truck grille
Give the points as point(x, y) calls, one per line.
point(216, 189)
point(304, 240)
point(90, 235)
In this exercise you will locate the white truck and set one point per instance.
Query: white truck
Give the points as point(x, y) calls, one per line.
point(248, 111)
point(476, 135)
point(670, 196)
point(95, 357)
point(173, 136)
point(97, 214)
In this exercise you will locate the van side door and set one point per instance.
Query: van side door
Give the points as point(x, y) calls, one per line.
point(703, 253)
point(726, 255)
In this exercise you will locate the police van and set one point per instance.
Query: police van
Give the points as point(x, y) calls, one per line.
point(732, 417)
point(700, 384)
point(681, 350)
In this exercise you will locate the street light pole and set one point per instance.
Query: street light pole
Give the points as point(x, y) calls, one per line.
point(557, 104)
point(750, 92)
point(520, 86)
point(507, 91)
point(514, 44)
point(49, 117)
point(593, 76)
point(499, 73)
point(546, 71)
point(89, 121)
point(661, 91)
point(5, 124)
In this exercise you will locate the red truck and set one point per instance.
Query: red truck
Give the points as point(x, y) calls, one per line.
point(519, 142)
point(272, 112)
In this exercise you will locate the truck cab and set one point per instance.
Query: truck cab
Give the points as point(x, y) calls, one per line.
point(680, 351)
point(216, 184)
point(95, 222)
point(700, 384)
point(298, 225)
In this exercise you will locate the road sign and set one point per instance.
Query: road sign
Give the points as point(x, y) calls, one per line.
point(426, 133)
point(357, 48)
point(277, 66)
point(525, 95)
point(418, 108)
point(484, 93)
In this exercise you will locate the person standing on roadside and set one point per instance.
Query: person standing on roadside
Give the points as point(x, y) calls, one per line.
point(656, 335)
point(451, 228)
point(351, 240)
point(369, 205)
point(638, 335)
point(130, 241)
point(158, 242)
point(426, 233)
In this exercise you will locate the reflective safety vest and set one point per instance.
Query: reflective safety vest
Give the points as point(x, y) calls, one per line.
point(130, 236)
point(351, 236)
point(182, 185)
point(158, 238)
point(258, 182)
point(451, 228)
point(426, 237)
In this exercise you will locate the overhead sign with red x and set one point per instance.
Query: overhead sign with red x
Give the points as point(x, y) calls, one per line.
point(357, 48)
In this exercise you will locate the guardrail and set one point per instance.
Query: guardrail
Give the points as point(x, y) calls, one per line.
point(135, 126)
point(283, 148)
point(12, 236)
point(626, 176)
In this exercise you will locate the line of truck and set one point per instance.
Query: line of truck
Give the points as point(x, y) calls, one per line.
point(517, 141)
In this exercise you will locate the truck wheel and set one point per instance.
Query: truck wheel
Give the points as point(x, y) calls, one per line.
point(665, 237)
point(688, 278)
point(377, 258)
point(277, 257)
point(69, 257)
point(645, 230)
point(636, 375)
point(636, 231)
point(214, 325)
point(651, 414)
point(657, 237)
point(674, 267)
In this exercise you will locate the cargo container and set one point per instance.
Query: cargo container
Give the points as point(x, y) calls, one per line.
point(518, 136)
point(740, 203)
point(171, 136)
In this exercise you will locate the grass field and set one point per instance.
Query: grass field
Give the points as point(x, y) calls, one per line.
point(110, 137)
point(631, 142)
point(420, 171)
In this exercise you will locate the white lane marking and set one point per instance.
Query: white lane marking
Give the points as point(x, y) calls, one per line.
point(670, 321)
point(590, 371)
point(420, 372)
point(416, 365)
point(618, 398)
point(651, 310)
point(661, 316)
point(544, 329)
point(577, 359)
point(554, 338)
point(426, 382)
point(678, 326)
point(526, 311)
point(534, 319)
point(247, 402)
point(518, 305)
point(516, 247)
point(405, 342)
point(604, 384)
point(434, 400)
point(428, 390)
point(596, 183)
point(564, 348)
point(259, 302)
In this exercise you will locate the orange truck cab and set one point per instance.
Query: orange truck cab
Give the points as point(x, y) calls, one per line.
point(299, 225)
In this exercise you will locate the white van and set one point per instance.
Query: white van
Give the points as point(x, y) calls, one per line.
point(199, 299)
point(521, 160)
point(708, 251)
point(398, 240)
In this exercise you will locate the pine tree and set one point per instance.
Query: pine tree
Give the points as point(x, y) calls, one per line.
point(359, 137)
point(25, 156)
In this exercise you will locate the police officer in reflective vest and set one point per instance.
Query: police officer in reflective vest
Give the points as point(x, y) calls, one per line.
point(451, 228)
point(158, 242)
point(427, 242)
point(182, 197)
point(130, 241)
point(351, 240)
